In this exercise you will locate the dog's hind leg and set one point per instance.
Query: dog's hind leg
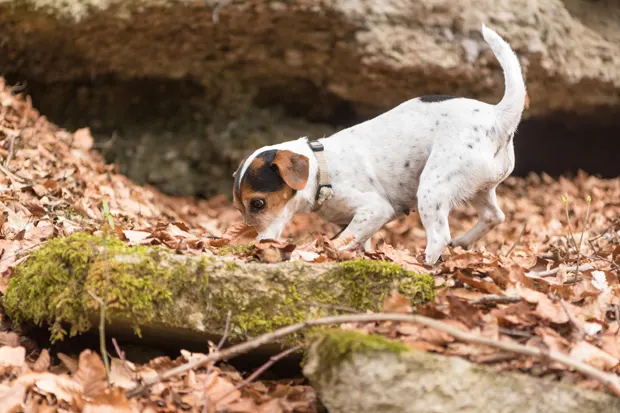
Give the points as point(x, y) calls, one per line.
point(442, 186)
point(489, 216)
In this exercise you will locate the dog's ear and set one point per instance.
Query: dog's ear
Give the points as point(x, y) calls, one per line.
point(293, 168)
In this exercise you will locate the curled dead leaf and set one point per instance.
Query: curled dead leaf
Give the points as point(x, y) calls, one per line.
point(91, 374)
point(42, 363)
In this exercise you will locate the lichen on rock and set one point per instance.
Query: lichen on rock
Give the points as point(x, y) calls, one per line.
point(150, 285)
point(355, 372)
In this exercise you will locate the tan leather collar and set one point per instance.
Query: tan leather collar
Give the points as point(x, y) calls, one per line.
point(324, 190)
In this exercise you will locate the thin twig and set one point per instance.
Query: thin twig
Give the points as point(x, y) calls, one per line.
point(611, 381)
point(272, 360)
point(571, 318)
point(517, 241)
point(102, 347)
point(602, 234)
point(556, 270)
point(121, 356)
point(205, 407)
point(598, 256)
point(11, 150)
point(492, 299)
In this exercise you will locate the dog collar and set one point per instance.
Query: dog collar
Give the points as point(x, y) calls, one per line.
point(324, 191)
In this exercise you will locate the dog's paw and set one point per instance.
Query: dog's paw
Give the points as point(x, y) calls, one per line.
point(459, 242)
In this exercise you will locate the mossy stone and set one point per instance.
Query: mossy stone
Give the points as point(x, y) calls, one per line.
point(154, 286)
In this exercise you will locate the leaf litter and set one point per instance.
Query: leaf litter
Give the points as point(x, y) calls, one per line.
point(520, 283)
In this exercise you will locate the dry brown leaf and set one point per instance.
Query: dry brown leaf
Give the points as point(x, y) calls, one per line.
point(594, 356)
point(120, 374)
point(396, 303)
point(91, 374)
point(62, 387)
point(484, 286)
point(220, 390)
point(9, 338)
point(241, 232)
point(12, 398)
point(12, 356)
point(70, 363)
point(42, 363)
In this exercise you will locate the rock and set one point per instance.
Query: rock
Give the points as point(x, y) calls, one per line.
point(194, 85)
point(166, 296)
point(360, 373)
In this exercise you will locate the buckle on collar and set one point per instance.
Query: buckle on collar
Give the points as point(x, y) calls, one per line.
point(316, 146)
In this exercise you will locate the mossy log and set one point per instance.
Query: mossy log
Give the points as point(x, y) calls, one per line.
point(353, 372)
point(170, 295)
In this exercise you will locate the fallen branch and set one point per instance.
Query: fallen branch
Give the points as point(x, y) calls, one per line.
point(611, 381)
point(272, 360)
point(517, 242)
point(205, 407)
point(556, 270)
point(495, 299)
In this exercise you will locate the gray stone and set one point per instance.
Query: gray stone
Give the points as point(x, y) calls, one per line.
point(351, 376)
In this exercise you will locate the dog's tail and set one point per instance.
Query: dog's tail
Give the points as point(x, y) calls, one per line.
point(514, 101)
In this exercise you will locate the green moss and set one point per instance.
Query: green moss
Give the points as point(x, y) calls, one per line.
point(152, 285)
point(360, 284)
point(53, 286)
point(336, 346)
point(235, 249)
point(368, 282)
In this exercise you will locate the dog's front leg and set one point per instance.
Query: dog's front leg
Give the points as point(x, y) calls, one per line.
point(367, 220)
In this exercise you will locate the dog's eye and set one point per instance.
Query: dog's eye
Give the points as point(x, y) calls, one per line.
point(257, 204)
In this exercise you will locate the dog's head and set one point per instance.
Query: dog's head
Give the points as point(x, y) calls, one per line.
point(264, 188)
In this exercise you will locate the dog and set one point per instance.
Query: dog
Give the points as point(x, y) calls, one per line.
point(433, 152)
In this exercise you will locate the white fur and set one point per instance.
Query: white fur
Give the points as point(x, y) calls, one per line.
point(435, 155)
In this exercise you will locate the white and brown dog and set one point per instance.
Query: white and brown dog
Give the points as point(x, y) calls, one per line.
point(435, 152)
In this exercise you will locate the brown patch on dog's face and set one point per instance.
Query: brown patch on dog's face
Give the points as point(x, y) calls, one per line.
point(267, 185)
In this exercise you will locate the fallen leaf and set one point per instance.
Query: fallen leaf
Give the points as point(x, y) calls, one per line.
point(12, 356)
point(594, 356)
point(42, 363)
point(91, 374)
point(396, 303)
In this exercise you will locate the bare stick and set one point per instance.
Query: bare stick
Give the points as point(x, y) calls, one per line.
point(205, 407)
point(556, 270)
point(102, 347)
point(517, 241)
point(495, 299)
point(611, 381)
point(272, 360)
point(121, 356)
point(571, 318)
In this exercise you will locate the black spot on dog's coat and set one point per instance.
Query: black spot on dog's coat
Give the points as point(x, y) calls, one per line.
point(476, 110)
point(435, 98)
point(407, 164)
point(470, 146)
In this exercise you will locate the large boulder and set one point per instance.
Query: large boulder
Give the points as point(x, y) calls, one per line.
point(359, 373)
point(195, 84)
point(163, 295)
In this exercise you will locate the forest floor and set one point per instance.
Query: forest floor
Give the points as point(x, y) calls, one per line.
point(519, 284)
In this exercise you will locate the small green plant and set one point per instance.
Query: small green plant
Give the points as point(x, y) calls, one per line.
point(571, 236)
point(109, 220)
